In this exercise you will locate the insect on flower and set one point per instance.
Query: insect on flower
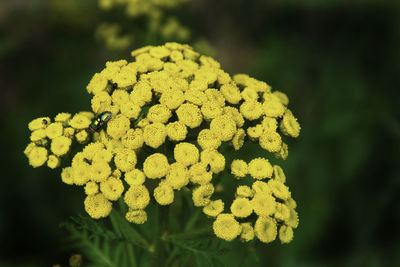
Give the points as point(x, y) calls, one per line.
point(100, 121)
point(208, 168)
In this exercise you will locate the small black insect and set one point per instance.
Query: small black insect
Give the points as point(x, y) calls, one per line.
point(100, 121)
point(44, 121)
point(208, 168)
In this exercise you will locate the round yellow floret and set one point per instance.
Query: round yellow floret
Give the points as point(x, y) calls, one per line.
point(79, 122)
point(69, 132)
point(224, 127)
point(269, 124)
point(282, 212)
point(159, 113)
point(102, 155)
point(125, 159)
point(241, 207)
point(100, 102)
point(235, 115)
point(208, 139)
point(261, 188)
point(289, 125)
point(91, 188)
point(293, 220)
point(214, 158)
point(137, 197)
point(176, 131)
point(164, 194)
point(198, 173)
point(201, 195)
point(54, 130)
point(263, 205)
point(82, 136)
point(67, 175)
point(285, 234)
point(97, 206)
point(238, 139)
point(251, 110)
point(270, 141)
point(272, 106)
point(53, 162)
point(135, 177)
point(265, 229)
point(190, 115)
point(186, 153)
point(279, 175)
point(154, 134)
point(244, 191)
point(283, 152)
point(260, 168)
point(133, 139)
point(231, 93)
point(279, 190)
point(178, 176)
point(214, 208)
point(239, 168)
point(156, 166)
point(226, 227)
point(136, 216)
point(39, 123)
point(282, 97)
point(141, 93)
point(249, 94)
point(118, 126)
point(112, 188)
point(196, 97)
point(100, 170)
point(38, 135)
point(130, 110)
point(83, 173)
point(92, 149)
point(247, 233)
point(60, 145)
point(172, 99)
point(37, 157)
point(211, 110)
point(119, 97)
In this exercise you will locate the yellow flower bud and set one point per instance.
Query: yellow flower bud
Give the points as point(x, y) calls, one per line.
point(279, 175)
point(239, 168)
point(53, 162)
point(201, 195)
point(159, 113)
point(214, 208)
point(125, 159)
point(289, 125)
point(154, 134)
point(238, 139)
point(272, 106)
point(176, 131)
point(234, 114)
point(100, 171)
point(135, 177)
point(133, 139)
point(156, 166)
point(118, 126)
point(241, 208)
point(231, 93)
point(178, 176)
point(37, 157)
point(39, 123)
point(60, 145)
point(112, 188)
point(198, 173)
point(226, 227)
point(172, 98)
point(136, 216)
point(270, 141)
point(164, 194)
point(282, 97)
point(265, 229)
point(208, 139)
point(251, 110)
point(279, 190)
point(224, 127)
point(97, 206)
point(285, 234)
point(282, 212)
point(186, 153)
point(214, 158)
point(190, 115)
point(137, 197)
point(67, 175)
point(91, 188)
point(37, 135)
point(54, 130)
point(263, 205)
point(260, 168)
point(244, 191)
point(247, 233)
point(196, 97)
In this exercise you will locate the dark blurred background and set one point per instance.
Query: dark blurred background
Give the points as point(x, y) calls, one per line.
point(338, 61)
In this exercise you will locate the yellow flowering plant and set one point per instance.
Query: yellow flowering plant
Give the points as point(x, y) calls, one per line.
point(173, 142)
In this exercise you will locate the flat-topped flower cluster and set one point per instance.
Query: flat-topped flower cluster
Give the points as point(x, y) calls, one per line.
point(172, 109)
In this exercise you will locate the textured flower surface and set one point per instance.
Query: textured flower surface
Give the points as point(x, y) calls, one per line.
point(178, 123)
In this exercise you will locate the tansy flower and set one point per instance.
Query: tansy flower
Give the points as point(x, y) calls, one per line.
point(103, 155)
point(201, 195)
point(272, 106)
point(154, 134)
point(176, 131)
point(269, 124)
point(118, 126)
point(130, 110)
point(100, 170)
point(91, 188)
point(176, 55)
point(211, 110)
point(239, 168)
point(186, 153)
point(289, 125)
point(231, 93)
point(92, 149)
point(69, 132)
point(208, 139)
point(159, 52)
point(226, 227)
point(97, 206)
point(119, 97)
point(241, 207)
point(54, 130)
point(244, 191)
point(82, 136)
point(234, 114)
point(215, 96)
point(223, 77)
point(283, 152)
point(285, 234)
point(278, 189)
point(67, 175)
point(112, 188)
point(178, 176)
point(125, 159)
point(261, 188)
point(62, 117)
point(79, 122)
point(53, 162)
point(247, 233)
point(260, 168)
point(214, 158)
point(198, 173)
point(136, 216)
point(293, 220)
point(156, 166)
point(39, 123)
point(238, 139)
point(190, 115)
point(135, 177)
point(270, 141)
point(282, 212)
point(196, 97)
point(265, 229)
point(97, 84)
point(60, 145)
point(291, 203)
point(137, 197)
point(249, 94)
point(37, 157)
point(263, 205)
point(279, 175)
point(224, 127)
point(133, 139)
point(159, 113)
point(172, 98)
point(255, 132)
point(38, 135)
point(82, 173)
point(141, 93)
point(164, 194)
point(214, 208)
point(29, 148)
point(282, 97)
point(251, 110)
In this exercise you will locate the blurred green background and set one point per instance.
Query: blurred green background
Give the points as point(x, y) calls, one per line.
point(338, 61)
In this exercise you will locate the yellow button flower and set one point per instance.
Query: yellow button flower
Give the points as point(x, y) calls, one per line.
point(130, 110)
point(137, 197)
point(60, 145)
point(235, 115)
point(211, 110)
point(176, 56)
point(190, 115)
point(54, 130)
point(103, 155)
point(164, 194)
point(223, 77)
point(241, 208)
point(135, 177)
point(255, 132)
point(79, 122)
point(214, 208)
point(215, 96)
point(251, 110)
point(172, 98)
point(263, 205)
point(198, 173)
point(249, 94)
point(283, 153)
point(272, 106)
point(282, 212)
point(247, 233)
point(293, 220)
point(282, 97)
point(214, 158)
point(37, 157)
point(270, 141)
point(239, 168)
point(92, 149)
point(201, 195)
point(133, 139)
point(176, 131)
point(69, 132)
point(154, 134)
point(53, 162)
point(97, 206)
point(91, 188)
point(279, 190)
point(67, 175)
point(97, 84)
point(62, 117)
point(186, 153)
point(159, 113)
point(37, 135)
point(289, 125)
point(100, 102)
point(269, 124)
point(118, 126)
point(112, 188)
point(238, 139)
point(141, 93)
point(29, 148)
point(244, 191)
point(226, 227)
point(261, 188)
point(260, 168)
point(119, 97)
point(125, 159)
point(231, 93)
point(100, 170)
point(156, 166)
point(224, 127)
point(39, 123)
point(208, 139)
point(285, 234)
point(279, 175)
point(265, 229)
point(196, 97)
point(136, 216)
point(82, 136)
point(178, 176)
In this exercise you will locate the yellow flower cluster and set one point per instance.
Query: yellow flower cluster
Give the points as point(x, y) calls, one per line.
point(172, 91)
